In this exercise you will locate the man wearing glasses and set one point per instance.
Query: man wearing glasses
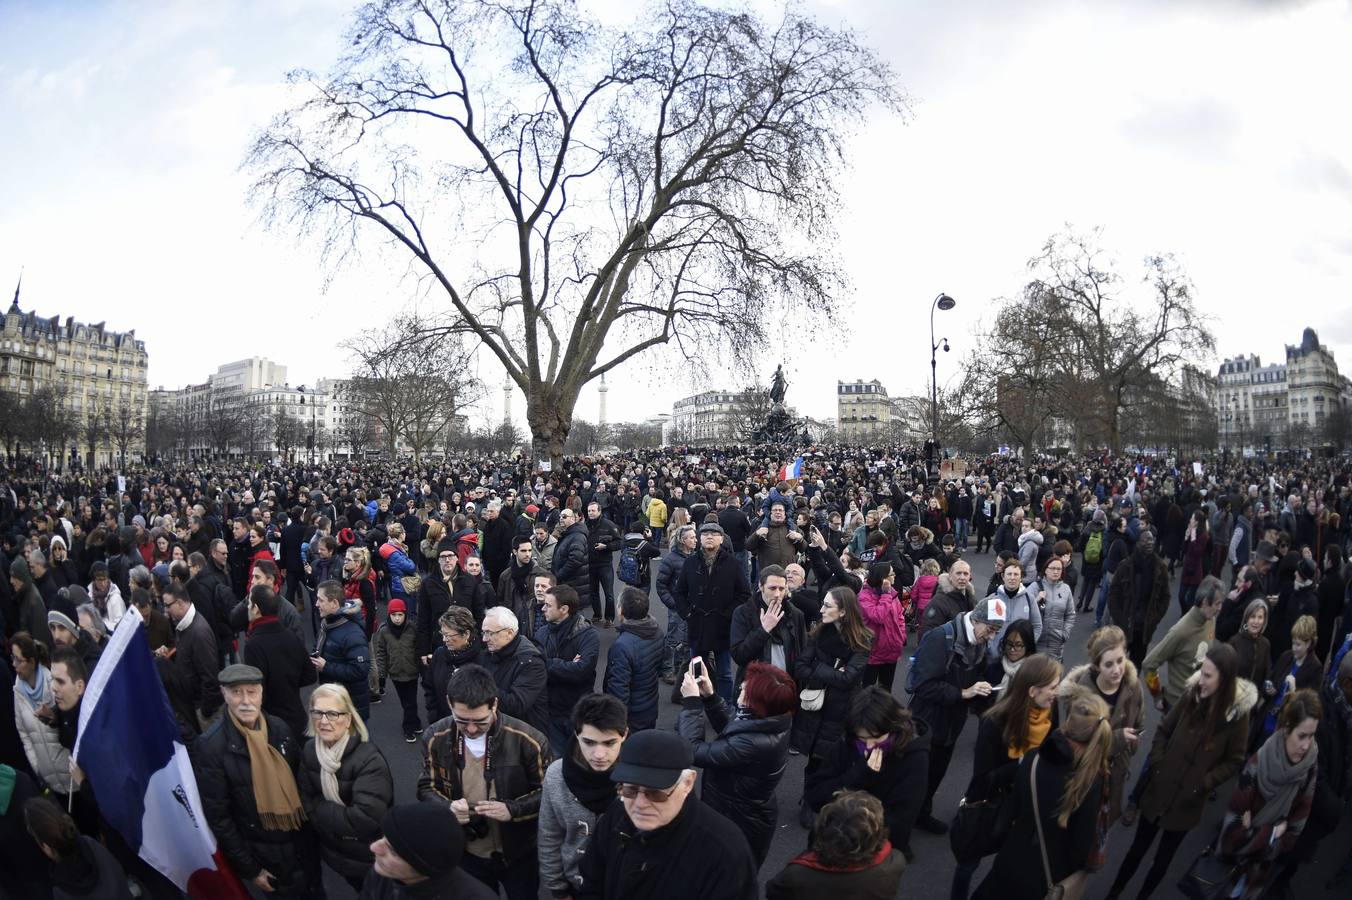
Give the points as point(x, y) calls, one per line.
point(490, 768)
point(663, 835)
point(517, 666)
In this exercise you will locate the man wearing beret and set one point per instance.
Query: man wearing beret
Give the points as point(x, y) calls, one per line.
point(658, 840)
point(418, 858)
point(246, 773)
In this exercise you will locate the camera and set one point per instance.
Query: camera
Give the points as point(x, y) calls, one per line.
point(476, 828)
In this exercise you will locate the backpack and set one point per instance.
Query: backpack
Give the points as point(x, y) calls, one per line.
point(950, 640)
point(630, 570)
point(1093, 549)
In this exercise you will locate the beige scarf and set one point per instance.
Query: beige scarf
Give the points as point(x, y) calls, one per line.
point(275, 792)
point(330, 758)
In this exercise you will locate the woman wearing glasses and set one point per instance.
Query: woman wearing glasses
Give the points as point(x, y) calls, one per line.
point(460, 646)
point(345, 783)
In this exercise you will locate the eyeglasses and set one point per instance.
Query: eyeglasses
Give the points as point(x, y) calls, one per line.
point(449, 636)
point(1015, 645)
point(327, 715)
point(630, 791)
point(494, 632)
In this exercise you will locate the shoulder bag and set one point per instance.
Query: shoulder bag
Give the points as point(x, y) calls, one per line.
point(813, 699)
point(980, 828)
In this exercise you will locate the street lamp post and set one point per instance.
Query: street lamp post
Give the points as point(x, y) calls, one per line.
point(944, 302)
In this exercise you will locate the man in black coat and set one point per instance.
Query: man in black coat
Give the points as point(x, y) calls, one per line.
point(275, 651)
point(238, 558)
point(418, 855)
point(711, 585)
point(670, 848)
point(435, 596)
point(497, 543)
point(195, 661)
point(571, 652)
point(767, 628)
point(265, 847)
point(517, 667)
point(572, 561)
point(293, 535)
point(603, 539)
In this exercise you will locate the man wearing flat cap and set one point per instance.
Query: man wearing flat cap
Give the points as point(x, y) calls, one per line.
point(246, 773)
point(710, 587)
point(418, 858)
point(658, 840)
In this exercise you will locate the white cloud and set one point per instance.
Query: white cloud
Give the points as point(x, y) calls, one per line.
point(1213, 130)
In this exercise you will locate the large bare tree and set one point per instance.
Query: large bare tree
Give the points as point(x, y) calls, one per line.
point(575, 195)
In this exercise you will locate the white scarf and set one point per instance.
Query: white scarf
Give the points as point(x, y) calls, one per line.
point(187, 619)
point(330, 758)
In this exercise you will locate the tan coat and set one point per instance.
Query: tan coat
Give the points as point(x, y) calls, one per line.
point(1127, 712)
point(1185, 766)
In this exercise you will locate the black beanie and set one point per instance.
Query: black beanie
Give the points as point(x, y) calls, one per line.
point(426, 835)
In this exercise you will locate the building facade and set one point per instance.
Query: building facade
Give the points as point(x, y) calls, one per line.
point(863, 410)
point(716, 415)
point(99, 374)
point(1280, 405)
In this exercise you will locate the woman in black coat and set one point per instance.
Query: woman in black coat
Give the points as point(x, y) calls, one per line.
point(832, 661)
point(744, 763)
point(1070, 780)
point(886, 754)
point(345, 784)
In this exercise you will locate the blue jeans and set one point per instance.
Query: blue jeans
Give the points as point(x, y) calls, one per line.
point(960, 533)
point(1102, 599)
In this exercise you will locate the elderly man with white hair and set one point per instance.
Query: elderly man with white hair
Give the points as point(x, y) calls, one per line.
point(517, 666)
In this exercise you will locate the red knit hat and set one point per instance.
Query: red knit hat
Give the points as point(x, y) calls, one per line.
point(396, 606)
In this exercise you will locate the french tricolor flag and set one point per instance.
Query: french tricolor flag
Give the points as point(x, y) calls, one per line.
point(130, 751)
point(793, 471)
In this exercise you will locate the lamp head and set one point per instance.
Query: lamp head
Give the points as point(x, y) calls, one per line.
point(946, 302)
point(945, 345)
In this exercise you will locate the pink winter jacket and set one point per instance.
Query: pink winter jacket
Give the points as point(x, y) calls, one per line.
point(883, 614)
point(923, 591)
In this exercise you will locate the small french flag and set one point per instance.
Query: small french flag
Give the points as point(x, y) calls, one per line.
point(793, 471)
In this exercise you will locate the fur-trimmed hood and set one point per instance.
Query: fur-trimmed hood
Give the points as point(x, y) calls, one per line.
point(946, 587)
point(1246, 696)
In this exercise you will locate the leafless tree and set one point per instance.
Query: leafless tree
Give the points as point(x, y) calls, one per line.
point(357, 433)
point(577, 195)
point(126, 428)
point(96, 427)
point(750, 409)
point(223, 423)
point(413, 380)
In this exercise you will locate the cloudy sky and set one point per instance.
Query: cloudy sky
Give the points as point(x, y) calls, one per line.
point(1215, 129)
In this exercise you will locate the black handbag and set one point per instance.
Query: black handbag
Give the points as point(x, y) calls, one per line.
point(1210, 877)
point(979, 829)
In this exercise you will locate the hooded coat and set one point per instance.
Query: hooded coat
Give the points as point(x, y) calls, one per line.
point(886, 618)
point(1186, 763)
point(347, 656)
point(633, 665)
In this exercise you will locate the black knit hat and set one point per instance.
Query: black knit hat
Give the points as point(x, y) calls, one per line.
point(426, 836)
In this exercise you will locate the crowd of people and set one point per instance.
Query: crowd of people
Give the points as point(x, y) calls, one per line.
point(829, 622)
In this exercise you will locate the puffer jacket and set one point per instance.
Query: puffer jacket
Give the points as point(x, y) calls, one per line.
point(668, 570)
point(1127, 712)
point(1030, 543)
point(1022, 605)
point(399, 565)
point(346, 829)
point(1186, 764)
point(397, 652)
point(633, 665)
point(571, 565)
point(225, 782)
point(886, 618)
point(347, 661)
point(742, 765)
point(1058, 616)
point(519, 756)
point(41, 742)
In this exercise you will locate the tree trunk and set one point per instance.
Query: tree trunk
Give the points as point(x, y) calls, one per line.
point(550, 416)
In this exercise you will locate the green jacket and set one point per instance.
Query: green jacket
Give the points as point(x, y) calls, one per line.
point(1182, 650)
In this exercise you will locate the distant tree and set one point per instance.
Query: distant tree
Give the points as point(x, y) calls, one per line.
point(1338, 428)
point(50, 422)
point(286, 431)
point(506, 438)
point(223, 422)
point(411, 380)
point(11, 421)
point(96, 428)
point(126, 428)
point(635, 436)
point(584, 438)
point(750, 408)
point(673, 183)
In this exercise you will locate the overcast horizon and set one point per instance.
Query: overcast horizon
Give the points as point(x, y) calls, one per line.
point(1206, 128)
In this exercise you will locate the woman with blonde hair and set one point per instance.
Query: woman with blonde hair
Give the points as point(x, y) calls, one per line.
point(359, 583)
point(395, 554)
point(1060, 809)
point(680, 517)
point(345, 783)
point(1111, 675)
point(435, 530)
